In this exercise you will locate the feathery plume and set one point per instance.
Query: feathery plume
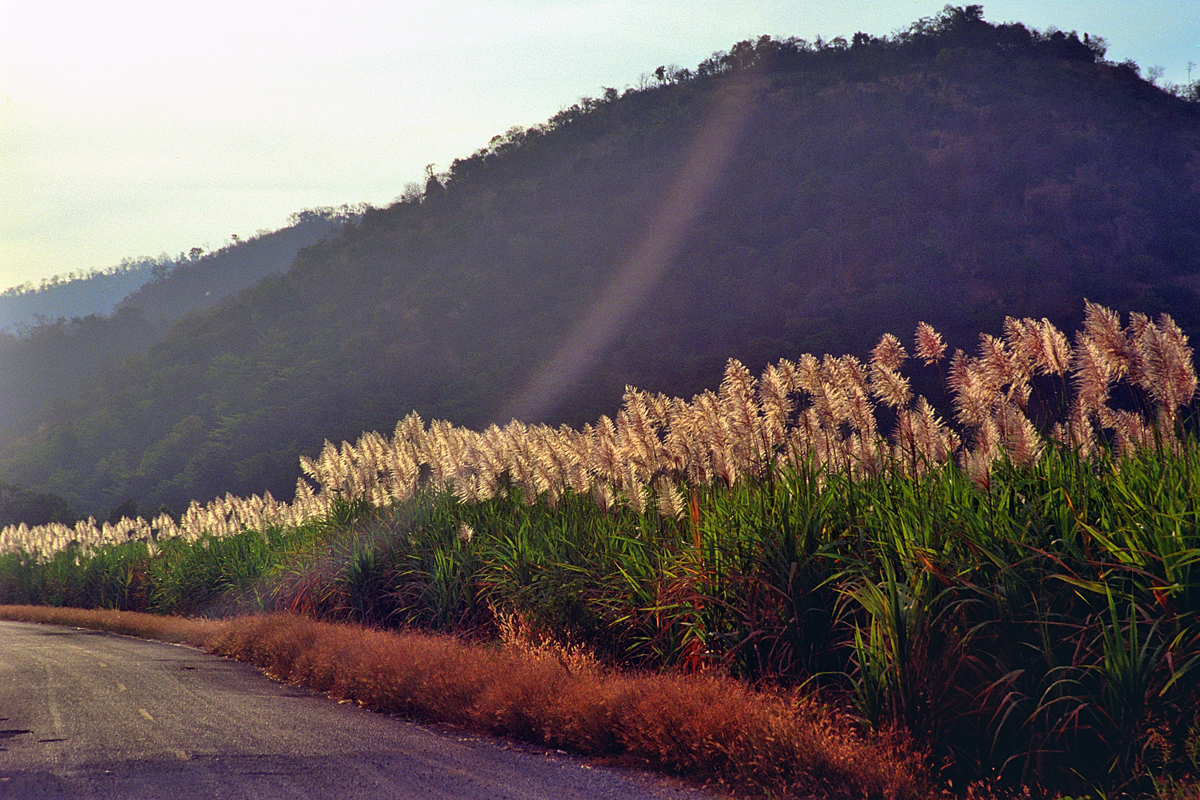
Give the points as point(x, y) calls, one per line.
point(972, 398)
point(845, 384)
point(1167, 370)
point(809, 373)
point(1130, 430)
point(996, 365)
point(606, 458)
point(929, 345)
point(941, 441)
point(658, 444)
point(889, 353)
point(978, 466)
point(1103, 327)
point(922, 439)
point(669, 498)
point(773, 399)
point(1056, 350)
point(890, 387)
point(635, 493)
point(1027, 343)
point(1093, 375)
point(637, 438)
point(1018, 435)
point(741, 415)
point(1077, 432)
point(681, 443)
point(716, 437)
point(603, 496)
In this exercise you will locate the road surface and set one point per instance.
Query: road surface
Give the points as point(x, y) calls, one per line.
point(85, 714)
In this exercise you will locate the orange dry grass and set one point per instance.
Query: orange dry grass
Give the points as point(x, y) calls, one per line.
point(194, 632)
point(708, 729)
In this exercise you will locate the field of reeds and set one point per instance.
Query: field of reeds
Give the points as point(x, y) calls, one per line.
point(1012, 588)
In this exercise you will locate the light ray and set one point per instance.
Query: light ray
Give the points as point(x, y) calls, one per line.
point(634, 282)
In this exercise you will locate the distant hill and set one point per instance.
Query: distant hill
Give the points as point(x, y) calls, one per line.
point(68, 331)
point(782, 197)
point(202, 281)
point(27, 306)
point(166, 288)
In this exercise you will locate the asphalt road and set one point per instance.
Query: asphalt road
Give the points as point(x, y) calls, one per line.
point(95, 715)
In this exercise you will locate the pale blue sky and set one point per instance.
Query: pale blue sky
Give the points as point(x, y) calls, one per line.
point(133, 128)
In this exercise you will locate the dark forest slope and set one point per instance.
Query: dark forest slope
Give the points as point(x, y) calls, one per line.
point(66, 334)
point(781, 198)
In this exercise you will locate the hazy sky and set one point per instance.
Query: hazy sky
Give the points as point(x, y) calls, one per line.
point(134, 128)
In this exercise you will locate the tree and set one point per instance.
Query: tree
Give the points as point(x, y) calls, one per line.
point(19, 505)
point(434, 188)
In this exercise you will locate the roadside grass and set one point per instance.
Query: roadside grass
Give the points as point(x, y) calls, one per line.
point(164, 628)
point(709, 729)
point(210, 576)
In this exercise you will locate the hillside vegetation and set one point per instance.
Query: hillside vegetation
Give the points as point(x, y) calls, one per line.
point(780, 198)
point(96, 293)
point(61, 337)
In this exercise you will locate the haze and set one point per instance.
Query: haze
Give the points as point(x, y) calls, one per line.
point(137, 128)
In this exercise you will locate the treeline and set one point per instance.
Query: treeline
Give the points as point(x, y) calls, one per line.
point(959, 32)
point(958, 172)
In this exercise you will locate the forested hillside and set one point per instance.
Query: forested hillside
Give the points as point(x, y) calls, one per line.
point(60, 337)
point(200, 280)
point(780, 198)
point(27, 306)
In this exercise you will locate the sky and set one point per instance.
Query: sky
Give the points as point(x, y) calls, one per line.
point(131, 129)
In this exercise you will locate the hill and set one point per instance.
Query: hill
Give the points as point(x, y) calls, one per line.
point(27, 306)
point(199, 281)
point(65, 333)
point(782, 197)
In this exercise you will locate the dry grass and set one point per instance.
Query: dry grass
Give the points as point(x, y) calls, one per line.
point(178, 630)
point(705, 728)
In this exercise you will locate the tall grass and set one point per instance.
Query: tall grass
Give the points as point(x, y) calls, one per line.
point(1018, 591)
point(711, 729)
